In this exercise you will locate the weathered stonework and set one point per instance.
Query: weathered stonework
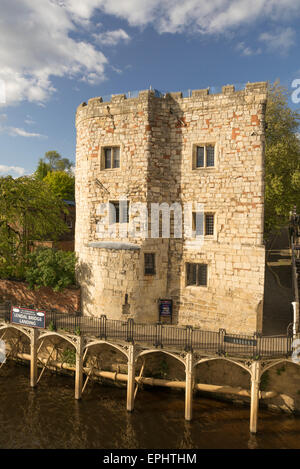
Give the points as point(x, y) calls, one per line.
point(157, 137)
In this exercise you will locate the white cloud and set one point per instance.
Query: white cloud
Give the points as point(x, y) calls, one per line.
point(29, 120)
point(281, 40)
point(37, 38)
point(18, 132)
point(36, 45)
point(215, 16)
point(246, 50)
point(112, 38)
point(12, 170)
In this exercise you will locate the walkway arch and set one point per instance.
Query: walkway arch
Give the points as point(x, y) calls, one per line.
point(56, 334)
point(20, 329)
point(277, 362)
point(173, 355)
point(234, 362)
point(104, 342)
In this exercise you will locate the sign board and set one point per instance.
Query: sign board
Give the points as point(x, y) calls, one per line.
point(28, 317)
point(239, 341)
point(165, 311)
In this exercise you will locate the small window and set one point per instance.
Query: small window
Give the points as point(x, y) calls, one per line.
point(111, 157)
point(196, 274)
point(205, 156)
point(119, 212)
point(199, 219)
point(149, 263)
point(209, 224)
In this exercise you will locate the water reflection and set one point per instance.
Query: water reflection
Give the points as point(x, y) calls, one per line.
point(50, 417)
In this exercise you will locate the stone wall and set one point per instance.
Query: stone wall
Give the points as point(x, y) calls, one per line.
point(157, 138)
point(19, 294)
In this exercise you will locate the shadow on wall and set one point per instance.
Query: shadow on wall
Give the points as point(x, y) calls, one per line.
point(84, 278)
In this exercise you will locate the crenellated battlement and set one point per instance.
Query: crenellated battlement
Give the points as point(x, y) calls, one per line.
point(255, 92)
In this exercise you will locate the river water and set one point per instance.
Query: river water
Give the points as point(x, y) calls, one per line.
point(49, 417)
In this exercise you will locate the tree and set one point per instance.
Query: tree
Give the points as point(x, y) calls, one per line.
point(62, 184)
point(29, 211)
point(282, 159)
point(52, 161)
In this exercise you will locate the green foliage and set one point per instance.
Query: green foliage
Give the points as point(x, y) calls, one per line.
point(51, 162)
point(42, 170)
point(50, 268)
point(162, 371)
point(29, 211)
point(56, 162)
point(282, 159)
point(280, 370)
point(264, 382)
point(62, 184)
point(51, 326)
point(69, 356)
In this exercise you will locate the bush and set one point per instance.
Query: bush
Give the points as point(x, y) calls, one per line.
point(50, 268)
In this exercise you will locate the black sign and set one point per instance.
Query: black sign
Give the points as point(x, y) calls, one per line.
point(239, 341)
point(28, 317)
point(165, 311)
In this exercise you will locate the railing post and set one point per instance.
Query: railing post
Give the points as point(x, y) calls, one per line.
point(103, 327)
point(7, 314)
point(79, 367)
point(189, 339)
point(222, 333)
point(33, 357)
point(131, 378)
point(158, 338)
point(130, 326)
point(256, 351)
point(295, 305)
point(255, 381)
point(188, 386)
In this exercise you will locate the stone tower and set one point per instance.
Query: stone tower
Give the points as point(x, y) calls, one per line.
point(204, 149)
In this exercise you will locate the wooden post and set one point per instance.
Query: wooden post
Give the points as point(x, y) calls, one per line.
point(79, 367)
point(255, 381)
point(33, 357)
point(131, 379)
point(188, 386)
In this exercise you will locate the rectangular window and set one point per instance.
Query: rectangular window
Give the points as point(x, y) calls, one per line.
point(200, 157)
point(210, 156)
point(205, 156)
point(149, 263)
point(119, 212)
point(107, 153)
point(198, 223)
point(196, 274)
point(203, 223)
point(209, 224)
point(111, 157)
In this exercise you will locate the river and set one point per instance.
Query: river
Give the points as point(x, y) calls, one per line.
point(49, 417)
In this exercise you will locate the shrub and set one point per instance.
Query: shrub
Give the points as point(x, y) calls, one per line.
point(50, 268)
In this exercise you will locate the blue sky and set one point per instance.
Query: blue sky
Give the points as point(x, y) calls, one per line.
point(54, 54)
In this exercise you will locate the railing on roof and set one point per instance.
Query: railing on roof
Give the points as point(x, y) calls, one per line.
point(185, 93)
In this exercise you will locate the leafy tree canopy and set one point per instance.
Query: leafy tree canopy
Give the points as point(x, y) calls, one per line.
point(52, 161)
point(29, 211)
point(62, 184)
point(282, 159)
